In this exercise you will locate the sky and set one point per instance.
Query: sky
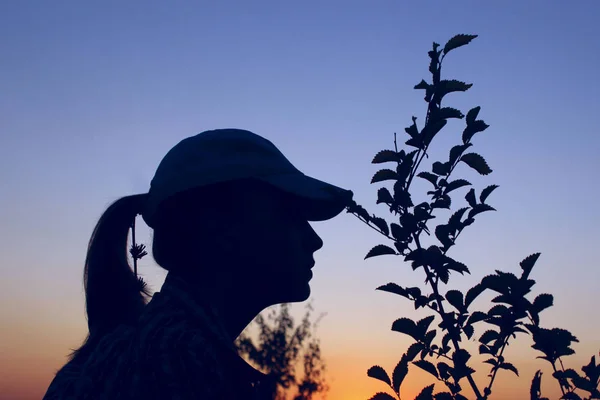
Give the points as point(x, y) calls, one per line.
point(93, 94)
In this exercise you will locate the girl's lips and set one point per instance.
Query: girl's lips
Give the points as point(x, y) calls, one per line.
point(309, 273)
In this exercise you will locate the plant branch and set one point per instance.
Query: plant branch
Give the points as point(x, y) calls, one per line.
point(559, 384)
point(489, 388)
point(373, 227)
point(442, 312)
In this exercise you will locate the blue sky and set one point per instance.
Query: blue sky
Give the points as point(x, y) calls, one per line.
point(93, 95)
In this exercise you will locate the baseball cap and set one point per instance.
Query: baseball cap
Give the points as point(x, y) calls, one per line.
point(223, 155)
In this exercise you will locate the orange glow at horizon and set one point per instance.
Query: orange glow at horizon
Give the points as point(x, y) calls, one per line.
point(26, 370)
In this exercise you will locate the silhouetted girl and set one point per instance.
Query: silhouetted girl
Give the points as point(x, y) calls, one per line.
point(230, 218)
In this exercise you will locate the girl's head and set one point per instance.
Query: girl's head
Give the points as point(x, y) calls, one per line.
point(243, 235)
point(228, 209)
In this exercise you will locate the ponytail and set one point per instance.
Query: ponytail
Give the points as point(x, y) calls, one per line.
point(113, 293)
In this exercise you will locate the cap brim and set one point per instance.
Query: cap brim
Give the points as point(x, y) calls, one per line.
point(322, 200)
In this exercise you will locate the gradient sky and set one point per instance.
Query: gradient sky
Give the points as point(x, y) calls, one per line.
point(93, 94)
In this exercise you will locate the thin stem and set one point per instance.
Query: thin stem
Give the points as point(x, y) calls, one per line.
point(437, 353)
point(559, 384)
point(496, 369)
point(416, 167)
point(373, 227)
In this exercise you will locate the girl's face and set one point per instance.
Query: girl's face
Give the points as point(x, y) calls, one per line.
point(274, 244)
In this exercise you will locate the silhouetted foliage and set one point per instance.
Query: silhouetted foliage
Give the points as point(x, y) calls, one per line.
point(281, 348)
point(513, 311)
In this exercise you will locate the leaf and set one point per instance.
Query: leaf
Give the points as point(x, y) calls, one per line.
point(485, 349)
point(428, 176)
point(583, 384)
point(458, 41)
point(476, 162)
point(488, 336)
point(448, 112)
point(429, 337)
point(426, 393)
point(456, 184)
point(384, 175)
point(472, 114)
point(491, 361)
point(384, 196)
point(457, 151)
point(442, 202)
point(450, 86)
point(479, 208)
point(399, 374)
point(443, 396)
point(455, 298)
point(359, 210)
point(458, 267)
point(380, 250)
point(408, 221)
point(542, 302)
point(473, 293)
point(440, 168)
point(469, 331)
point(406, 326)
point(461, 369)
point(402, 196)
point(499, 310)
point(468, 221)
point(393, 288)
point(416, 141)
point(444, 275)
point(413, 350)
point(397, 231)
point(472, 129)
point(476, 316)
point(592, 371)
point(509, 367)
point(442, 234)
point(381, 224)
point(486, 192)
point(454, 220)
point(422, 85)
point(431, 129)
point(386, 156)
point(382, 396)
point(423, 324)
point(379, 373)
point(528, 263)
point(412, 130)
point(470, 197)
point(422, 214)
point(535, 390)
point(500, 282)
point(460, 357)
point(570, 396)
point(446, 339)
point(427, 366)
point(567, 373)
point(401, 247)
point(417, 254)
point(444, 370)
